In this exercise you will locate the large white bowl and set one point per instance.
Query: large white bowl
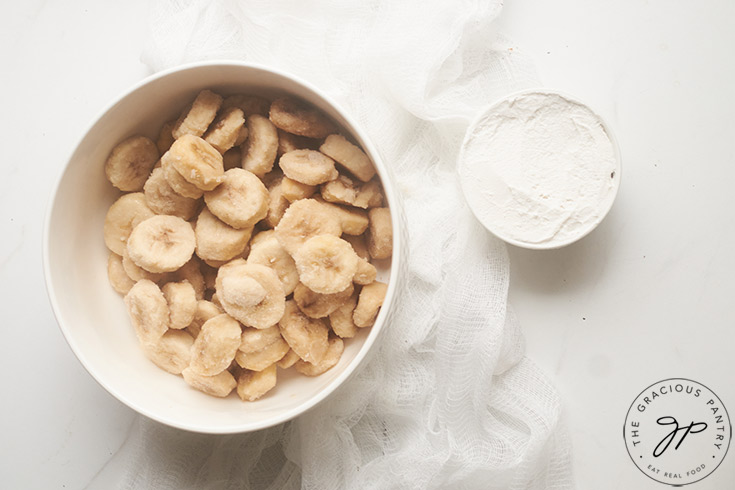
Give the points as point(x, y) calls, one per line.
point(92, 315)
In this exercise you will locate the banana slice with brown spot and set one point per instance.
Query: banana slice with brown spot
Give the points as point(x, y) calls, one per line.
point(225, 130)
point(259, 149)
point(172, 352)
point(197, 161)
point(163, 199)
point(315, 305)
point(349, 156)
point(215, 346)
point(250, 293)
point(148, 311)
point(303, 220)
point(380, 233)
point(331, 358)
point(122, 217)
point(216, 240)
point(179, 184)
point(199, 115)
point(309, 167)
point(307, 337)
point(119, 279)
point(266, 250)
point(240, 201)
point(219, 385)
point(326, 264)
point(263, 358)
point(182, 303)
point(249, 104)
point(130, 163)
point(369, 303)
point(296, 117)
point(252, 385)
point(161, 243)
point(294, 190)
point(341, 319)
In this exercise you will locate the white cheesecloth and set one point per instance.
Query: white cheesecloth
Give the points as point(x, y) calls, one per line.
point(448, 400)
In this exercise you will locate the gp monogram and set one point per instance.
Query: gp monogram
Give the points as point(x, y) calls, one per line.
point(677, 431)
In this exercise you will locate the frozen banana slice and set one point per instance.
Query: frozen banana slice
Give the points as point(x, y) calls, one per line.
point(130, 163)
point(254, 339)
point(162, 243)
point(250, 293)
point(197, 161)
point(366, 272)
point(294, 190)
point(331, 358)
point(315, 305)
point(191, 272)
point(341, 319)
point(352, 220)
point(326, 264)
point(309, 167)
point(165, 137)
point(216, 240)
point(359, 244)
point(266, 250)
point(148, 311)
point(182, 303)
point(278, 204)
point(215, 346)
point(219, 385)
point(265, 357)
point(302, 220)
point(370, 301)
point(307, 337)
point(163, 199)
point(252, 385)
point(259, 150)
point(206, 310)
point(289, 142)
point(196, 118)
point(349, 156)
point(380, 233)
point(296, 117)
point(248, 104)
point(119, 279)
point(344, 190)
point(179, 184)
point(136, 273)
point(225, 130)
point(240, 201)
point(172, 352)
point(288, 360)
point(122, 217)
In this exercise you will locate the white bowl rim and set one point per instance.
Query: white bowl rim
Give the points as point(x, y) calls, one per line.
point(389, 192)
point(544, 91)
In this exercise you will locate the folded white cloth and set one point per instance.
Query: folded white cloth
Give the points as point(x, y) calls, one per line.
point(447, 401)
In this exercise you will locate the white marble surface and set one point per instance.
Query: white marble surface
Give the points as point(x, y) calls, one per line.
point(645, 297)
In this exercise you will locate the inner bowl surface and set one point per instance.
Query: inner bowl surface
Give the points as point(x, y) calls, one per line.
point(92, 316)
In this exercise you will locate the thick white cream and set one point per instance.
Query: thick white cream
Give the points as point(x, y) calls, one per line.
point(539, 169)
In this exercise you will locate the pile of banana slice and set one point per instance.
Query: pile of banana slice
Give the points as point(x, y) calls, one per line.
point(245, 241)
